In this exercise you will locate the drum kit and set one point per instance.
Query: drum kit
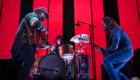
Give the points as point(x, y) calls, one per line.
point(53, 66)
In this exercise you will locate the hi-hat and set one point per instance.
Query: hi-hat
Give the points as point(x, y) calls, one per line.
point(80, 38)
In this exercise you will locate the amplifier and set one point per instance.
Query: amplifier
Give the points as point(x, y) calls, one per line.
point(84, 63)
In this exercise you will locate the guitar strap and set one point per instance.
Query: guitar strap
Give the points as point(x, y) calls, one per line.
point(27, 26)
point(29, 31)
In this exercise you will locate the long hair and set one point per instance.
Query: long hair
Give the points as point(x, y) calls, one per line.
point(110, 22)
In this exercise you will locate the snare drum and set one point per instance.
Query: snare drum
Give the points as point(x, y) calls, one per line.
point(66, 51)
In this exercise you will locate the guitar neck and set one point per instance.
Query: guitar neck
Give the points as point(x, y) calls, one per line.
point(92, 44)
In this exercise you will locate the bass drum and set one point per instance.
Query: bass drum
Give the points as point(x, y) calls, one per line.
point(50, 63)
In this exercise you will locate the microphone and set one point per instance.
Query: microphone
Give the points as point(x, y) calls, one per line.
point(78, 24)
point(84, 24)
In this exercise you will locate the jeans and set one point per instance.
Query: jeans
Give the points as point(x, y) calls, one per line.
point(115, 61)
point(70, 71)
point(26, 54)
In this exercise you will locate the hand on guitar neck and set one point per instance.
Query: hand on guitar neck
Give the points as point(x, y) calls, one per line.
point(99, 49)
point(91, 44)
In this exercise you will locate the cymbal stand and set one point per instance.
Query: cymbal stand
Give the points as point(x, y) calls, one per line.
point(79, 65)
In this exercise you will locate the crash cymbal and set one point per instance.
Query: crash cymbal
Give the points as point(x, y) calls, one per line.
point(80, 38)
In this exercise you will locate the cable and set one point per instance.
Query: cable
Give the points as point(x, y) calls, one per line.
point(132, 70)
point(11, 62)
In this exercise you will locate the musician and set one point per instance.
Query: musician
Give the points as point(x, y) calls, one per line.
point(119, 53)
point(21, 43)
point(55, 49)
point(59, 42)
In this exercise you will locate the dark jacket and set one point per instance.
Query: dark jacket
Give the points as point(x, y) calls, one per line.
point(22, 33)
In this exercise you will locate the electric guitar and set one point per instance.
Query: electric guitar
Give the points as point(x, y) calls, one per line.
point(86, 41)
point(104, 54)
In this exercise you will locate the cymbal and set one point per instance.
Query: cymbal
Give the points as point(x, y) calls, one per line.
point(80, 38)
point(78, 51)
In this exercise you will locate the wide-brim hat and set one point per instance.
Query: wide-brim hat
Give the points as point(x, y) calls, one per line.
point(42, 9)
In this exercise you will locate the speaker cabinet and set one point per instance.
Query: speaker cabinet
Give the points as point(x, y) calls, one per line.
point(84, 63)
point(136, 61)
point(12, 71)
point(127, 70)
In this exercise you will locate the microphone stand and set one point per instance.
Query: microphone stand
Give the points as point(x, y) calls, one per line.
point(86, 24)
point(92, 48)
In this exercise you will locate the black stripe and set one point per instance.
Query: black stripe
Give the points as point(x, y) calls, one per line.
point(48, 27)
point(25, 8)
point(111, 10)
point(1, 10)
point(92, 48)
point(68, 21)
point(138, 10)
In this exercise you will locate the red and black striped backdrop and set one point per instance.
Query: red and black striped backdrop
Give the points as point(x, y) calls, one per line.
point(64, 14)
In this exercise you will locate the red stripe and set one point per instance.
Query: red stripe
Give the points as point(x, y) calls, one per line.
point(9, 25)
point(55, 20)
point(99, 35)
point(82, 12)
point(129, 20)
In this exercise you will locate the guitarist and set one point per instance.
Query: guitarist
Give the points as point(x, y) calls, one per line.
point(119, 53)
point(21, 45)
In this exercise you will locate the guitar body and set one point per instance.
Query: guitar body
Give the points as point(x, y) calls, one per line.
point(35, 38)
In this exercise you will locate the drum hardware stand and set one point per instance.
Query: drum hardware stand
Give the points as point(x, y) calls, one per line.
point(92, 48)
point(79, 59)
point(67, 71)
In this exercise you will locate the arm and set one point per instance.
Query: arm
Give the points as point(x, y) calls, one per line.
point(101, 50)
point(116, 33)
point(37, 24)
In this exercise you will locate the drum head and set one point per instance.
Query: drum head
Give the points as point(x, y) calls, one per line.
point(53, 62)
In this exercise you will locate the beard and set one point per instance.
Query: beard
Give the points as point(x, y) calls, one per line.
point(41, 19)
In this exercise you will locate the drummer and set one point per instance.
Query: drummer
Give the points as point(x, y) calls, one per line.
point(55, 49)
